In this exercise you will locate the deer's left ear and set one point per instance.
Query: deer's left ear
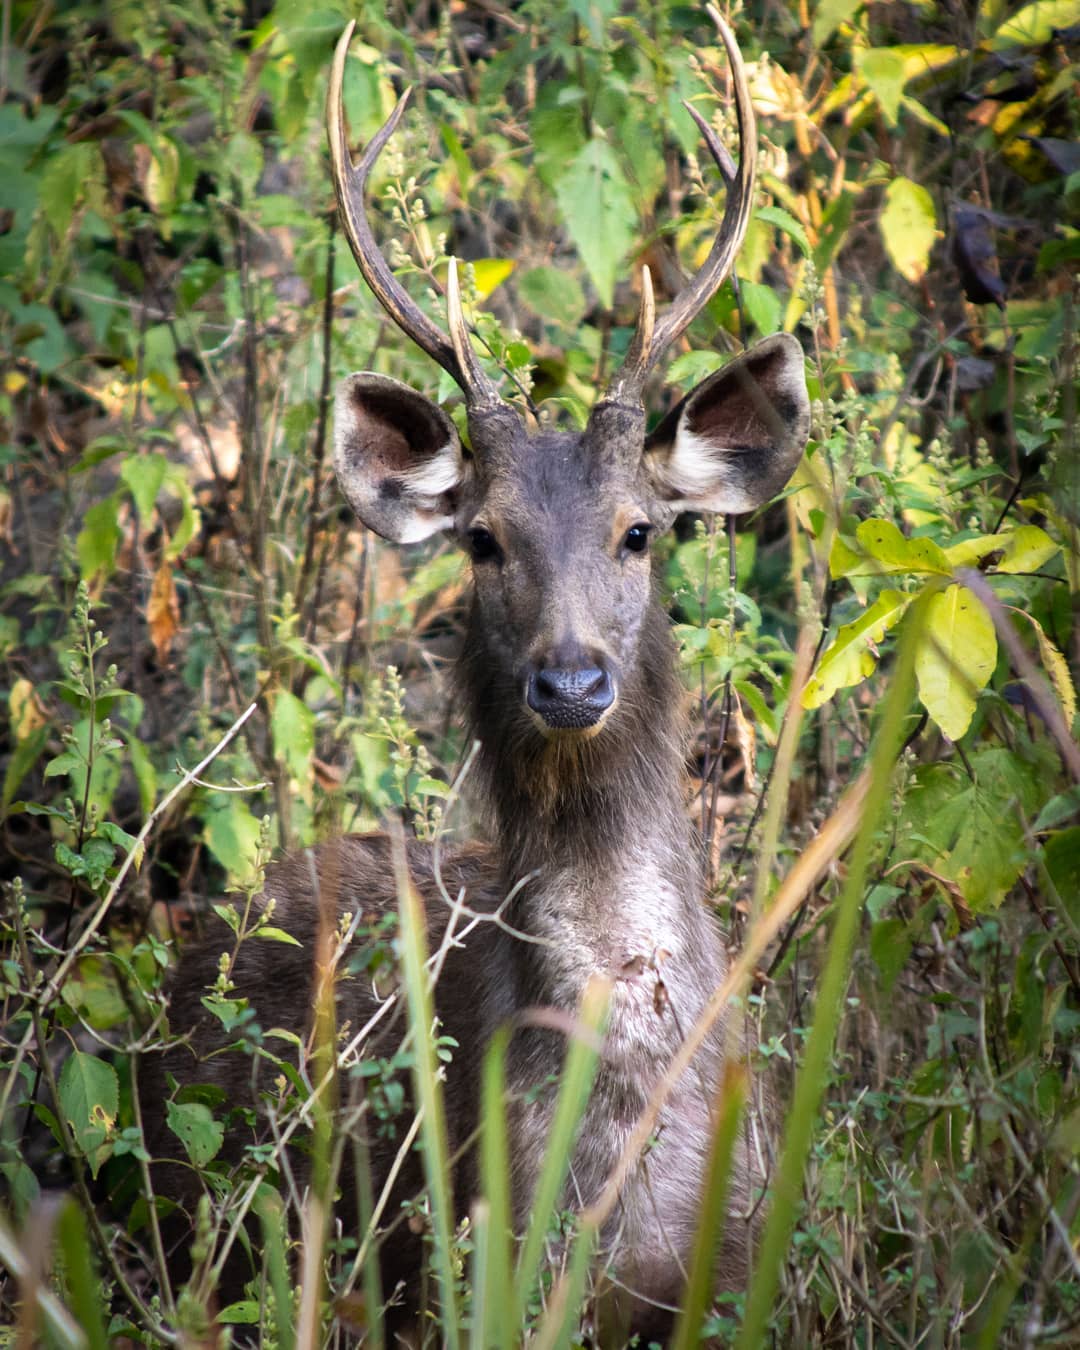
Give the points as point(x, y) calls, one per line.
point(734, 440)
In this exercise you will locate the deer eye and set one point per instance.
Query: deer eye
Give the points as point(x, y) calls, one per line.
point(483, 545)
point(637, 538)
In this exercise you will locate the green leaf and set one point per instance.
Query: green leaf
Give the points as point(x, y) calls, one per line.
point(246, 1312)
point(891, 941)
point(972, 832)
point(99, 538)
point(786, 223)
point(553, 294)
point(1062, 858)
point(198, 1131)
point(852, 657)
point(273, 934)
point(909, 227)
point(24, 756)
point(86, 1294)
point(690, 368)
point(1058, 809)
point(599, 211)
point(829, 15)
point(885, 71)
point(763, 306)
point(63, 182)
point(292, 724)
point(231, 833)
point(143, 768)
point(144, 475)
point(956, 657)
point(89, 1099)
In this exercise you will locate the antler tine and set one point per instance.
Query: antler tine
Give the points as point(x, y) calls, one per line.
point(459, 336)
point(626, 387)
point(350, 182)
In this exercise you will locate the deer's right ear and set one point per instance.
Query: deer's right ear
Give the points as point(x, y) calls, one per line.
point(398, 457)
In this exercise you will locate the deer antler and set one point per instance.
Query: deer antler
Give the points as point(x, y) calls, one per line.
point(454, 354)
point(653, 336)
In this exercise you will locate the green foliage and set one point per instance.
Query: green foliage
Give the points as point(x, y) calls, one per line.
point(205, 660)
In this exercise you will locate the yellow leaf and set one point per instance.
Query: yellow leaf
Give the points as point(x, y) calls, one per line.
point(971, 550)
point(163, 612)
point(25, 710)
point(853, 654)
point(1057, 668)
point(909, 227)
point(1026, 549)
point(890, 551)
point(956, 657)
point(489, 273)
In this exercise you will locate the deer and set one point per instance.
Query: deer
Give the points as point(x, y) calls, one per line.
point(568, 683)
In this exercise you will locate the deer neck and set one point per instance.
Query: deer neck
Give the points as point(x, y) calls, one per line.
point(592, 836)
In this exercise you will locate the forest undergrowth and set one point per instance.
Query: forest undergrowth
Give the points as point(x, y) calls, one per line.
point(206, 660)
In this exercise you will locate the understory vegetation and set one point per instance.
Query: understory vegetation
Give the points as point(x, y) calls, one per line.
point(206, 660)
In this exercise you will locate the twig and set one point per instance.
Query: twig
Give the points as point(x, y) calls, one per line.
point(56, 983)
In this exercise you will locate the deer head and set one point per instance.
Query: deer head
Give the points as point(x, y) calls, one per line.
point(558, 525)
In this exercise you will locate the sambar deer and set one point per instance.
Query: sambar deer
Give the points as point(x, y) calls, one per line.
point(568, 683)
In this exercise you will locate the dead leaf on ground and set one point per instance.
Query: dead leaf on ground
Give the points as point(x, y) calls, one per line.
point(163, 612)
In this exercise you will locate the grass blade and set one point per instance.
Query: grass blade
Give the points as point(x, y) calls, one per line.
point(730, 1100)
point(429, 1093)
point(493, 1302)
point(813, 1075)
point(272, 1221)
point(83, 1286)
point(578, 1071)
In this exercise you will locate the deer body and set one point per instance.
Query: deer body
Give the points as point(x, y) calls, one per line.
point(567, 680)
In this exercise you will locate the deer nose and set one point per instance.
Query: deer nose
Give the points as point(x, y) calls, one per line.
point(570, 700)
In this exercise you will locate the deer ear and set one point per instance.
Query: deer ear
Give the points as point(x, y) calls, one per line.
point(734, 440)
point(398, 457)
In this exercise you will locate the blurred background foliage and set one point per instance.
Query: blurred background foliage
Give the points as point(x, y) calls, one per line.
point(176, 304)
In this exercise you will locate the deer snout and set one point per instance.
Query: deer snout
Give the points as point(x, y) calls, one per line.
point(570, 699)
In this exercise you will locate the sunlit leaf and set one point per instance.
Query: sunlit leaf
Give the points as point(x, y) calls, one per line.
point(786, 223)
point(1033, 25)
point(1057, 668)
point(1026, 549)
point(488, 273)
point(885, 71)
point(956, 657)
point(852, 657)
point(26, 712)
point(909, 227)
point(886, 550)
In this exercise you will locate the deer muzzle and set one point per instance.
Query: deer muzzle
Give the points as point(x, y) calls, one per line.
point(570, 700)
